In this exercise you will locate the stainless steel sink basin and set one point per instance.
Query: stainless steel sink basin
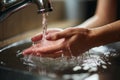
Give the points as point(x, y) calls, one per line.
point(12, 67)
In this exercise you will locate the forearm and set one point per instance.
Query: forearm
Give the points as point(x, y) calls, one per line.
point(106, 12)
point(95, 21)
point(106, 34)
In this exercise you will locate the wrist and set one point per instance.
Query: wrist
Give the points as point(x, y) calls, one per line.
point(94, 38)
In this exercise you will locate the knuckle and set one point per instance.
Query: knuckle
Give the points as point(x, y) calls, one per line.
point(57, 35)
point(70, 30)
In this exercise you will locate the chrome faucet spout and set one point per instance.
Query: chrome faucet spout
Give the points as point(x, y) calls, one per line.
point(43, 6)
point(8, 7)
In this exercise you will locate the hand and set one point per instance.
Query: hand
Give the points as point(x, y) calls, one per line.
point(75, 41)
point(41, 44)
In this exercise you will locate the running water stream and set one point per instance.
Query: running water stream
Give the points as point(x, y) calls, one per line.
point(44, 24)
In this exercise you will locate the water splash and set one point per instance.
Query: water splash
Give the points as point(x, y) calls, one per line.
point(89, 61)
point(44, 24)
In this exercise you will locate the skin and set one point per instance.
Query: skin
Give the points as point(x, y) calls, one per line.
point(106, 12)
point(100, 29)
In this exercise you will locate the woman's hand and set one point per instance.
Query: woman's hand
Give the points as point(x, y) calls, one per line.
point(74, 42)
point(41, 43)
point(77, 41)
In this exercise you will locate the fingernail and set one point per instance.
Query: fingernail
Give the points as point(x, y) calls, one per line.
point(48, 37)
point(33, 39)
point(24, 53)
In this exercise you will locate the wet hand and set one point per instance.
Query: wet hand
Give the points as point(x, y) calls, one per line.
point(77, 41)
point(38, 48)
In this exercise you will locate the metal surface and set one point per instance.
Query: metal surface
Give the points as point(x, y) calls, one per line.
point(7, 7)
point(10, 74)
point(11, 67)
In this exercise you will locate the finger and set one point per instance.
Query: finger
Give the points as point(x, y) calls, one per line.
point(49, 49)
point(52, 55)
point(37, 53)
point(45, 50)
point(27, 51)
point(58, 35)
point(37, 37)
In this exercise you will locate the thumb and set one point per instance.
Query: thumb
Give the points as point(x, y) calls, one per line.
point(36, 37)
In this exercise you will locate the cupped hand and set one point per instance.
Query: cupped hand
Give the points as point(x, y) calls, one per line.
point(40, 44)
point(75, 41)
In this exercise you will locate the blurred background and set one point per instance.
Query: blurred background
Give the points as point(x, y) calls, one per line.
point(27, 22)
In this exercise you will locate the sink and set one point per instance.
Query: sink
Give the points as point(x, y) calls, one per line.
point(13, 67)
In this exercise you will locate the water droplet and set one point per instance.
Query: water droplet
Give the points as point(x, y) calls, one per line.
point(104, 66)
point(1, 62)
point(76, 68)
point(0, 50)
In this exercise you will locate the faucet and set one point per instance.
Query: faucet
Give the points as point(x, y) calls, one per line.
point(8, 7)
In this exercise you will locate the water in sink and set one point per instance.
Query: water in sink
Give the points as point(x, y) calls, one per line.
point(91, 62)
